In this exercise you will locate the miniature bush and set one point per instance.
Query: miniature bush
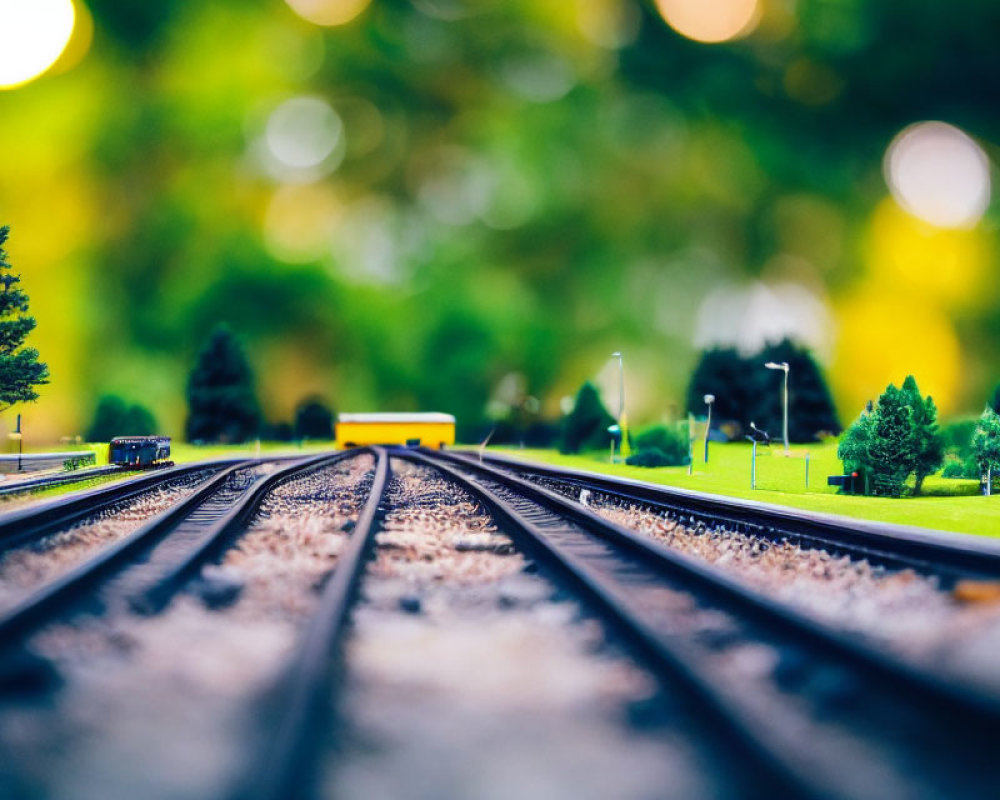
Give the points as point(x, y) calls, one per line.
point(670, 440)
point(649, 457)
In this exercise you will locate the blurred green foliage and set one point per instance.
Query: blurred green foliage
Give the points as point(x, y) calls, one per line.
point(508, 198)
point(586, 426)
point(222, 398)
point(115, 417)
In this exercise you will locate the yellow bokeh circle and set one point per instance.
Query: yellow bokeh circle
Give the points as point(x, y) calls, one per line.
point(882, 338)
point(941, 265)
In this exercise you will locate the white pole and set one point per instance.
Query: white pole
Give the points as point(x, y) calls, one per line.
point(785, 419)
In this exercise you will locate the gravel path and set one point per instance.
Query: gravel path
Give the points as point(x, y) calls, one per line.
point(900, 609)
point(158, 707)
point(468, 677)
point(31, 565)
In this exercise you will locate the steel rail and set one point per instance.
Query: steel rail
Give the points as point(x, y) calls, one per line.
point(285, 767)
point(945, 554)
point(49, 600)
point(923, 684)
point(39, 519)
point(786, 757)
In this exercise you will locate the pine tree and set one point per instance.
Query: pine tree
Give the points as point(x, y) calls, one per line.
point(20, 369)
point(114, 417)
point(313, 420)
point(222, 401)
point(811, 412)
point(744, 390)
point(986, 445)
point(586, 426)
point(891, 451)
point(927, 445)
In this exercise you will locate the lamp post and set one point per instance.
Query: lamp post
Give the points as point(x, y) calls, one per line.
point(709, 399)
point(621, 398)
point(784, 417)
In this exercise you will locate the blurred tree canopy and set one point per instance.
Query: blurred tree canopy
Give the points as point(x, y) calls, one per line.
point(469, 190)
point(222, 399)
point(115, 417)
point(745, 391)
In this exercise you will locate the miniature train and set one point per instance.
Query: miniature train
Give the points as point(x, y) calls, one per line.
point(140, 451)
point(427, 429)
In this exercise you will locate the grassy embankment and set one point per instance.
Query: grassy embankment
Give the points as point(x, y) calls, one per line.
point(781, 481)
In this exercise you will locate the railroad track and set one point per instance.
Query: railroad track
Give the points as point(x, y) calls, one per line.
point(823, 714)
point(949, 557)
point(142, 571)
point(286, 765)
point(61, 479)
point(30, 523)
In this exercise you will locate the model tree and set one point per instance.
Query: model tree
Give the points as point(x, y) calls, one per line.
point(928, 446)
point(20, 369)
point(313, 420)
point(744, 390)
point(895, 439)
point(986, 445)
point(114, 417)
point(222, 401)
point(586, 426)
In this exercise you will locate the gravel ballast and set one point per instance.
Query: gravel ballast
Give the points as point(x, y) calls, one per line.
point(468, 676)
point(30, 565)
point(160, 707)
point(900, 609)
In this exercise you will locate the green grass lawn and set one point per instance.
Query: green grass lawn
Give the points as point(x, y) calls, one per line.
point(781, 480)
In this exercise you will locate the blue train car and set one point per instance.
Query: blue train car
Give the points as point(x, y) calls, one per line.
point(140, 451)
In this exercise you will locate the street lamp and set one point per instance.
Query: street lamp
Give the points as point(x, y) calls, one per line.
point(784, 419)
point(621, 399)
point(709, 399)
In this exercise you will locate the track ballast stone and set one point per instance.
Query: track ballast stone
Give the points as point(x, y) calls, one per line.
point(899, 609)
point(468, 676)
point(160, 707)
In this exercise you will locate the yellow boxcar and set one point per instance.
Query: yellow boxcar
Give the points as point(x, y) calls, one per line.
point(427, 429)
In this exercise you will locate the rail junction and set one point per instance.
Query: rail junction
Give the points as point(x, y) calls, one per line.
point(317, 587)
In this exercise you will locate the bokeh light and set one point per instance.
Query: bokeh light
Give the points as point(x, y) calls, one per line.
point(303, 134)
point(32, 37)
point(328, 12)
point(710, 20)
point(942, 266)
point(608, 23)
point(884, 337)
point(938, 174)
point(752, 316)
point(300, 221)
